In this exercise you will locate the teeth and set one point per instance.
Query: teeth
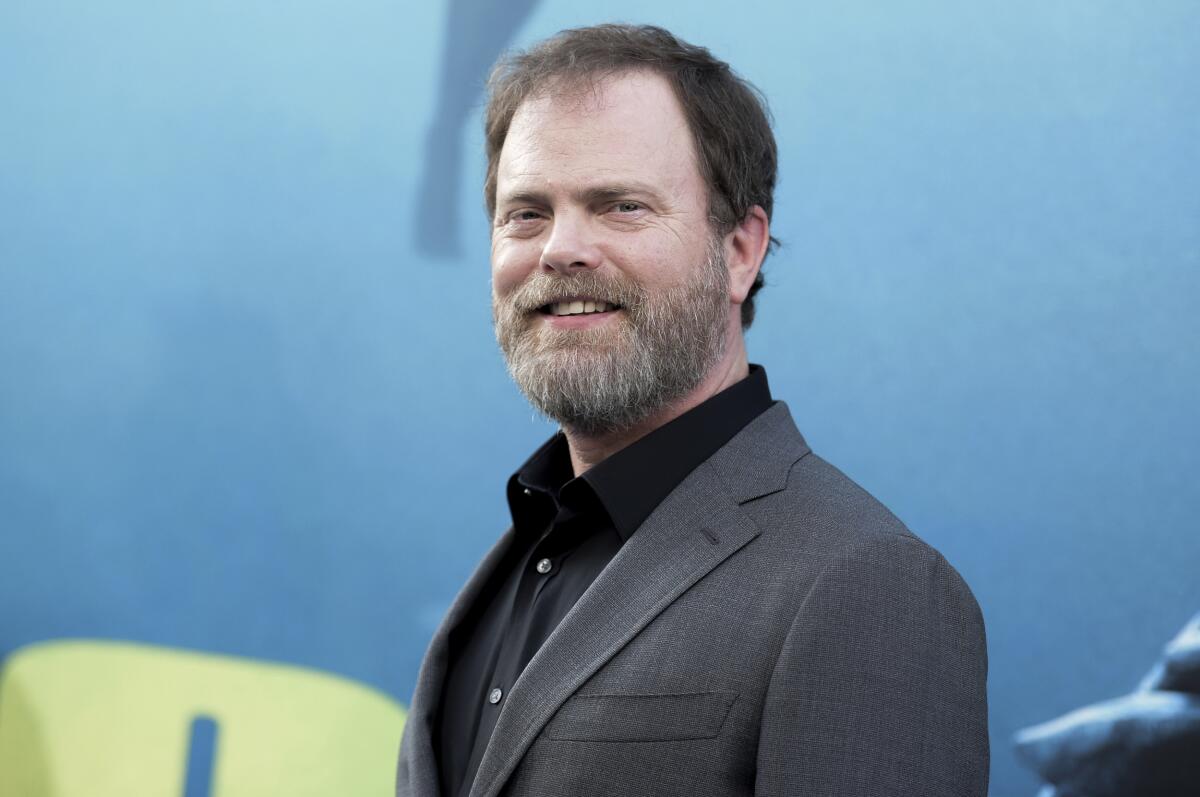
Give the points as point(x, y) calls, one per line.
point(579, 307)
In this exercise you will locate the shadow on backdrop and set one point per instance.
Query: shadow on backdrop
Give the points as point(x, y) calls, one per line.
point(477, 31)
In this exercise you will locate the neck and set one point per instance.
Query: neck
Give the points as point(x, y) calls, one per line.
point(588, 451)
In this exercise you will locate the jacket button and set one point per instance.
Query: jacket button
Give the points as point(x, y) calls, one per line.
point(545, 566)
point(495, 695)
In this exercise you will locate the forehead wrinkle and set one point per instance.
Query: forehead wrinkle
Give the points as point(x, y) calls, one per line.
point(571, 110)
point(556, 146)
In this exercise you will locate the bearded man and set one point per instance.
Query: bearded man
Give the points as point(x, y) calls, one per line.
point(689, 601)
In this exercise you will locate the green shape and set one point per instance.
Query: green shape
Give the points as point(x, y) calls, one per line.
point(111, 719)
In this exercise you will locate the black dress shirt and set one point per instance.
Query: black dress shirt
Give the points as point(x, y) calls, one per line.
point(566, 530)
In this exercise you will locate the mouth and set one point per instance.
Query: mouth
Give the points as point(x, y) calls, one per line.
point(578, 305)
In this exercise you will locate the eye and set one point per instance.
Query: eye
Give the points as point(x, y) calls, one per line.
point(524, 215)
point(626, 206)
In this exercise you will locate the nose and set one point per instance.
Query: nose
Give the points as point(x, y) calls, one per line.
point(571, 247)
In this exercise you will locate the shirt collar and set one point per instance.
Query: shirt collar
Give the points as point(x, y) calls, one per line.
point(632, 482)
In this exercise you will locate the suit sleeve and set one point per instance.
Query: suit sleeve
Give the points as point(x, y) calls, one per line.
point(880, 687)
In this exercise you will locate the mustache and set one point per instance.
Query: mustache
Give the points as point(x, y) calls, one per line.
point(542, 289)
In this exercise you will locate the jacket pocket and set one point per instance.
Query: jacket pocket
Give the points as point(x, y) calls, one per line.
point(641, 718)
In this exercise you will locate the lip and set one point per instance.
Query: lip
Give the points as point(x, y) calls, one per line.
point(580, 321)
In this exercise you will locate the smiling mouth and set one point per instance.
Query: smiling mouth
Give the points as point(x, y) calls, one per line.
point(578, 306)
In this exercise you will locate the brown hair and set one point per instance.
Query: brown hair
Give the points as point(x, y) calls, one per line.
point(728, 116)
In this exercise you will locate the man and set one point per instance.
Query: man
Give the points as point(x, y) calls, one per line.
point(688, 602)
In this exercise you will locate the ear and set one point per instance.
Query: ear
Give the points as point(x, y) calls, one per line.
point(745, 247)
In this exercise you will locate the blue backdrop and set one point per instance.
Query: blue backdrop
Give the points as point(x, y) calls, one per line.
point(250, 399)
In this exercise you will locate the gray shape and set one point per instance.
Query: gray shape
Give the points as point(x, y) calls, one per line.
point(1179, 668)
point(1054, 791)
point(1143, 744)
point(477, 31)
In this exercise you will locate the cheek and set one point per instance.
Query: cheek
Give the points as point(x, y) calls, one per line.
point(509, 267)
point(662, 264)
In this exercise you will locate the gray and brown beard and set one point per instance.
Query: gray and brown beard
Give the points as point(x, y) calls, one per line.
point(599, 381)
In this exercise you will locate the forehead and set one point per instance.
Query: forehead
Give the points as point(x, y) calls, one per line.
point(628, 128)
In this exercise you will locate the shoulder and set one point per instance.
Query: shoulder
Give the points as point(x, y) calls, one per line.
point(865, 570)
point(771, 472)
point(828, 513)
point(848, 543)
point(814, 521)
point(878, 624)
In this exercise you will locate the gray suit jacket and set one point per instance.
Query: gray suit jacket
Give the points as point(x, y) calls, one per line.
point(770, 629)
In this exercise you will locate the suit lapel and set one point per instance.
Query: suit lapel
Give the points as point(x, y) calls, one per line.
point(424, 776)
point(696, 527)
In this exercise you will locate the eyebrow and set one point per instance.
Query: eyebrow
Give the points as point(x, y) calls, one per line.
point(589, 195)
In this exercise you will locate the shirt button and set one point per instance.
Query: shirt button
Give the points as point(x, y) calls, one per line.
point(527, 491)
point(545, 566)
point(495, 695)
